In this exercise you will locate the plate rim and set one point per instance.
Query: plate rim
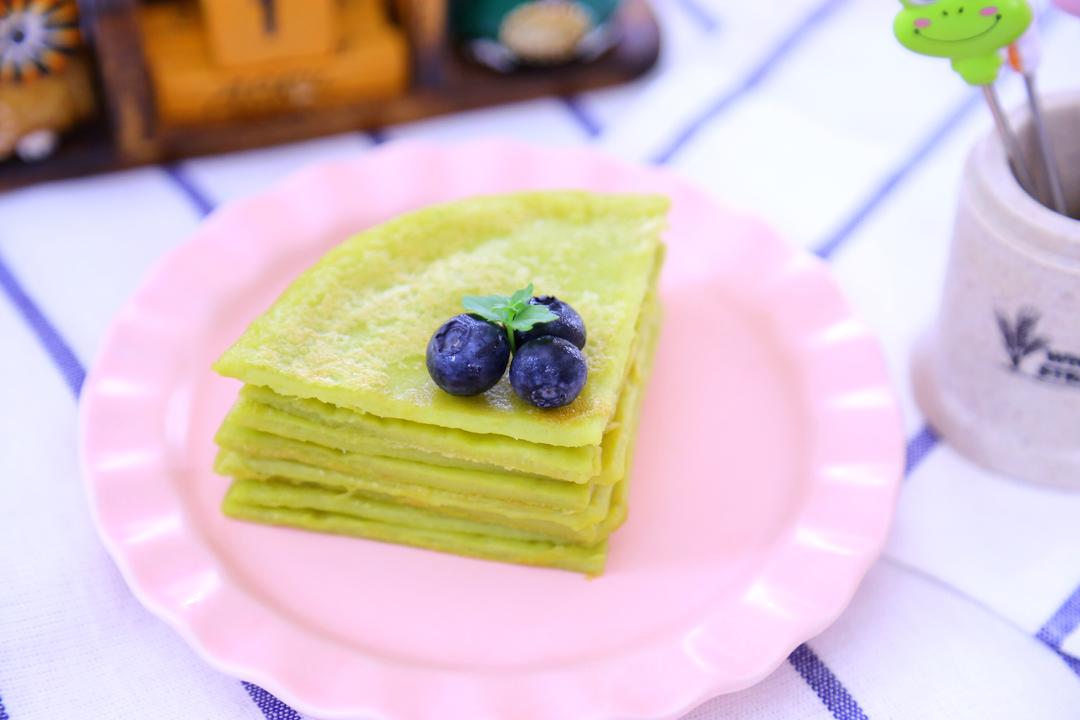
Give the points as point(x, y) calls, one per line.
point(689, 671)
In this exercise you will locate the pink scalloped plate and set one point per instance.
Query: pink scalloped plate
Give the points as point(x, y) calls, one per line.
point(765, 479)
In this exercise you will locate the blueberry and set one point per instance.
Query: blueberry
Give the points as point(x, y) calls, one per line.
point(548, 372)
point(568, 325)
point(467, 355)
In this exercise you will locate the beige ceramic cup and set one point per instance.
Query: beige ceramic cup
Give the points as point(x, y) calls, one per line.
point(998, 375)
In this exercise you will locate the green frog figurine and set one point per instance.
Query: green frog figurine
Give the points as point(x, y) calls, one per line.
point(971, 33)
point(508, 34)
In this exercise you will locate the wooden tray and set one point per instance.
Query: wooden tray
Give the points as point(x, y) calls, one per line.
point(443, 81)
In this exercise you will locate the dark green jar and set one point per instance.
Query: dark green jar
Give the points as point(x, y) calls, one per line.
point(507, 34)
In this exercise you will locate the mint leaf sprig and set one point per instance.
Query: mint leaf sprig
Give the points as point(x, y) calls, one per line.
point(513, 313)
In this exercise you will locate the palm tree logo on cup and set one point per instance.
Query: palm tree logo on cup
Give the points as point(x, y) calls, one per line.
point(1019, 338)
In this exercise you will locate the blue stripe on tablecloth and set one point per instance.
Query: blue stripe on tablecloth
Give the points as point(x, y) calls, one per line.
point(821, 680)
point(3, 712)
point(61, 353)
point(270, 706)
point(588, 123)
point(1062, 623)
point(701, 16)
point(841, 235)
point(202, 202)
point(918, 447)
point(761, 71)
point(1073, 663)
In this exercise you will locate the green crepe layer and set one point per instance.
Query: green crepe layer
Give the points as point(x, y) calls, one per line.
point(279, 494)
point(261, 429)
point(573, 527)
point(352, 330)
point(315, 508)
point(238, 436)
point(362, 432)
point(420, 482)
point(266, 465)
point(588, 560)
point(268, 431)
point(340, 430)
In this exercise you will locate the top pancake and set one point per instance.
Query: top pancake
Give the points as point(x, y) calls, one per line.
point(353, 329)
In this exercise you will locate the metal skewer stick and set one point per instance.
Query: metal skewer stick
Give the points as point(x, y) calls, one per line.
point(1042, 139)
point(1008, 139)
point(1024, 56)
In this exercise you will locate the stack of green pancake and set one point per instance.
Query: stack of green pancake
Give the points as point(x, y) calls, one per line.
point(340, 429)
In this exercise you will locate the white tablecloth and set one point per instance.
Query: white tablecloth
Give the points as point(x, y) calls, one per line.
point(806, 112)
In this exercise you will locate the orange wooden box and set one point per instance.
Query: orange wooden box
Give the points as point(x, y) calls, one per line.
point(247, 31)
point(369, 60)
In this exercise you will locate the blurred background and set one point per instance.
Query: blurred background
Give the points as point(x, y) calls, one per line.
point(128, 82)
